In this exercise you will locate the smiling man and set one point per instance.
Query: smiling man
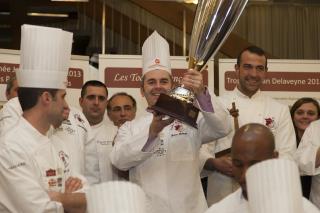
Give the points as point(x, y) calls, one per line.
point(162, 155)
point(254, 106)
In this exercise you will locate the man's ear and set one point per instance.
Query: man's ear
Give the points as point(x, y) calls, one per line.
point(237, 69)
point(142, 91)
point(45, 98)
point(80, 101)
point(7, 96)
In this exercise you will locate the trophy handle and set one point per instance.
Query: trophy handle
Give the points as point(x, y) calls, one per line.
point(194, 64)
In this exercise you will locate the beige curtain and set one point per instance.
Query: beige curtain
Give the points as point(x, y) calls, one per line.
point(288, 31)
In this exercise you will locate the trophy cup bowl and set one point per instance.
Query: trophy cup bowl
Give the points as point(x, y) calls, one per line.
point(213, 22)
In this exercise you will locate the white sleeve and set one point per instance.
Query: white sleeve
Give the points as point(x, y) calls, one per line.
point(21, 190)
point(206, 152)
point(127, 151)
point(285, 138)
point(307, 150)
point(214, 125)
point(8, 118)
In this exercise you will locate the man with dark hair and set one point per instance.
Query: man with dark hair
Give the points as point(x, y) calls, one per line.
point(251, 144)
point(121, 107)
point(69, 137)
point(93, 101)
point(12, 88)
point(253, 49)
point(254, 106)
point(34, 176)
point(94, 83)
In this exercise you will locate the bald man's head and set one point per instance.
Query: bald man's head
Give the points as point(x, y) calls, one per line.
point(251, 144)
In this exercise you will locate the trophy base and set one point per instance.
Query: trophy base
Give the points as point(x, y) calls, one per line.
point(180, 110)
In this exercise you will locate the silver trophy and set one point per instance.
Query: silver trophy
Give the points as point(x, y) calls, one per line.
point(213, 22)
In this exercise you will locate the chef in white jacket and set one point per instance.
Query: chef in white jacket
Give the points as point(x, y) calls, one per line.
point(9, 114)
point(72, 134)
point(12, 108)
point(308, 159)
point(162, 154)
point(254, 143)
point(93, 101)
point(33, 177)
point(254, 106)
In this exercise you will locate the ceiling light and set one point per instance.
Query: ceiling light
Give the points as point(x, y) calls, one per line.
point(3, 13)
point(191, 1)
point(59, 15)
point(72, 0)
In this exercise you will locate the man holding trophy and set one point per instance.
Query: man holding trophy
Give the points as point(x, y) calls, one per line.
point(162, 154)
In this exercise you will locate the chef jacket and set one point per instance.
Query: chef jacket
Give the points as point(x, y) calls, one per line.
point(258, 109)
point(168, 171)
point(9, 114)
point(29, 167)
point(306, 158)
point(98, 166)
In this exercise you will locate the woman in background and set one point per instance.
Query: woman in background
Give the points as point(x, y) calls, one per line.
point(303, 112)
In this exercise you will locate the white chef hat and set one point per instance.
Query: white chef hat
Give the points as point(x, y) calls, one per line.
point(273, 186)
point(155, 54)
point(116, 197)
point(45, 57)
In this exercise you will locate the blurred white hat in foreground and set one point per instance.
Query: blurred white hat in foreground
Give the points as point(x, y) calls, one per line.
point(116, 197)
point(273, 186)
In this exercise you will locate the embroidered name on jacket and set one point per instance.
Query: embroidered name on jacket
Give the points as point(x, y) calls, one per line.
point(103, 142)
point(17, 165)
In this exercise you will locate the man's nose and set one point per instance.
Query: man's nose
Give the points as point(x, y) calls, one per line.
point(254, 71)
point(96, 100)
point(122, 112)
point(158, 85)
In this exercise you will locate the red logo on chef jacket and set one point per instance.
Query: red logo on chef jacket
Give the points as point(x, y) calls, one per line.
point(50, 173)
point(178, 128)
point(157, 61)
point(269, 122)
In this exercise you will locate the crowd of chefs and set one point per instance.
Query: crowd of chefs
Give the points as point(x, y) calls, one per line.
point(52, 153)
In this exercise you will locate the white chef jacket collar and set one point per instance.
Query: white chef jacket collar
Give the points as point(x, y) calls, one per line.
point(32, 130)
point(239, 93)
point(98, 124)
